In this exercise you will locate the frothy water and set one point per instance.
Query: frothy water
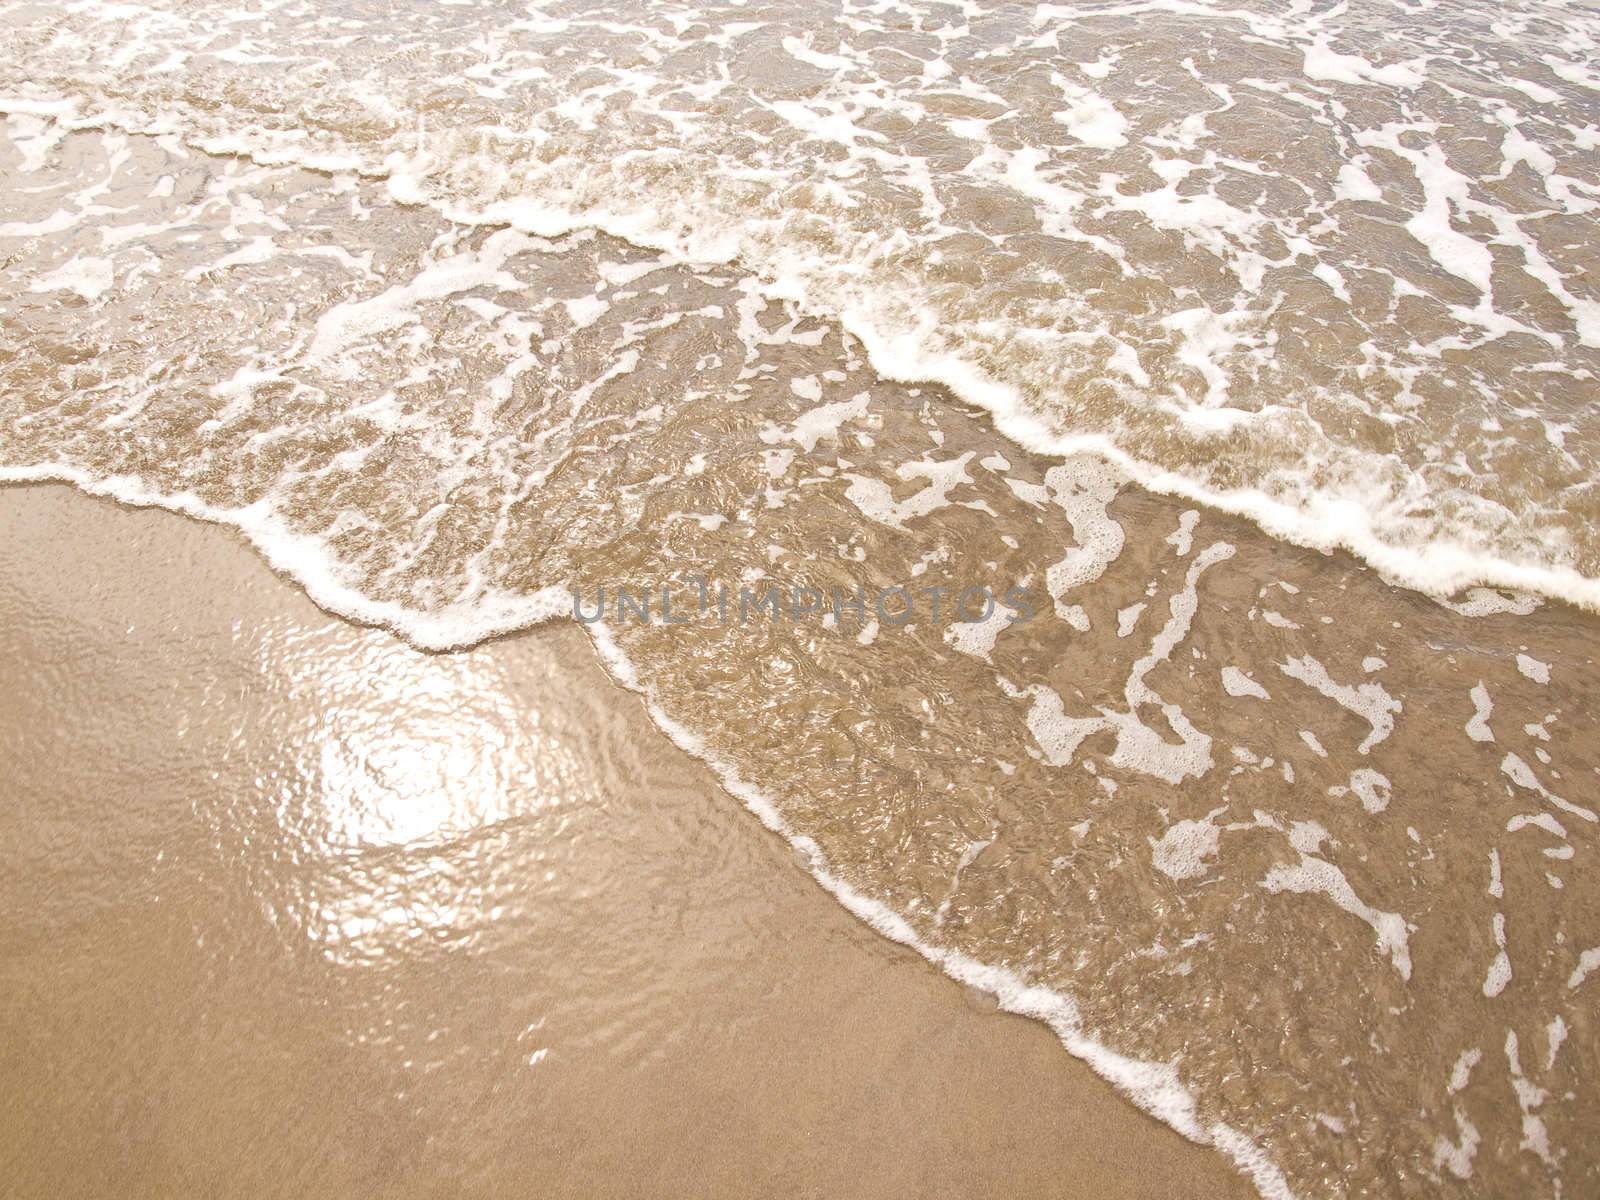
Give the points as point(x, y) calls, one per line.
point(453, 309)
point(1326, 267)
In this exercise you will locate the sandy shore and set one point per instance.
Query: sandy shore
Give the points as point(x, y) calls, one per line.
point(292, 909)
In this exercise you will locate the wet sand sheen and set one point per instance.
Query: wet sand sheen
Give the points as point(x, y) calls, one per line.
point(295, 909)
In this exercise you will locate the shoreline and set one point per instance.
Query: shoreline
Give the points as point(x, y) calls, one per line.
point(675, 965)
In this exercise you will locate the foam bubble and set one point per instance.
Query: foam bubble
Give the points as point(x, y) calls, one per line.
point(1319, 877)
point(1483, 708)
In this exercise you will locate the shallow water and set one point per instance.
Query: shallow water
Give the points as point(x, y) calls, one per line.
point(573, 300)
point(1326, 265)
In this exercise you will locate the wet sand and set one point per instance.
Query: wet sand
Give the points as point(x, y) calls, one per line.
point(293, 909)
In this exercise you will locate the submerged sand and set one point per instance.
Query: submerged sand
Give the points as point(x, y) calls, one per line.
point(291, 908)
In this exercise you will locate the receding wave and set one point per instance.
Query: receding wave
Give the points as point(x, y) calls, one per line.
point(1324, 269)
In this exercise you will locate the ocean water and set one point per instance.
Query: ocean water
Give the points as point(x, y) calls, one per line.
point(1226, 375)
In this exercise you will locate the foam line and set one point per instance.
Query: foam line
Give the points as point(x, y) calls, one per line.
point(1155, 1087)
point(1442, 567)
point(302, 558)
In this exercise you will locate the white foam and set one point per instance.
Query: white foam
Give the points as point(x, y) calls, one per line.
point(1091, 119)
point(1182, 538)
point(1499, 973)
point(1084, 487)
point(1138, 747)
point(465, 621)
point(1307, 836)
point(821, 422)
point(1555, 1035)
point(1371, 788)
point(1535, 670)
point(1443, 565)
point(1461, 1073)
point(1367, 700)
point(977, 638)
point(1353, 183)
point(1186, 847)
point(1128, 617)
point(1478, 727)
point(1236, 683)
point(86, 276)
point(875, 500)
point(1323, 63)
point(584, 311)
point(1542, 821)
point(1529, 1097)
point(1588, 962)
point(1521, 774)
point(1318, 876)
point(343, 327)
point(1457, 1156)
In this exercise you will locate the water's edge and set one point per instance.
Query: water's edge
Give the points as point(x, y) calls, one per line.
point(1153, 1088)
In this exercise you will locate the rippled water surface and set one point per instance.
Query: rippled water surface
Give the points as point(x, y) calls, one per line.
point(1205, 328)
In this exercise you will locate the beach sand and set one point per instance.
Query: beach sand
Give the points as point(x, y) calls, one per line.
point(293, 909)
